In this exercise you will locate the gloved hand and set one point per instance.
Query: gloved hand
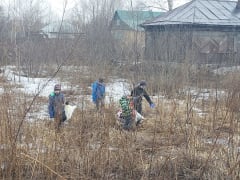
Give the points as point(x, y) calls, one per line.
point(152, 105)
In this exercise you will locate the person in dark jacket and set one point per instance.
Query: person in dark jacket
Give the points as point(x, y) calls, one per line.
point(138, 93)
point(98, 94)
point(56, 106)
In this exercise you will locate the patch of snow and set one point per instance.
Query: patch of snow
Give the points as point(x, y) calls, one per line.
point(204, 94)
point(218, 141)
point(3, 165)
point(32, 85)
point(199, 112)
point(1, 90)
point(41, 113)
point(225, 70)
point(76, 68)
point(116, 89)
point(221, 141)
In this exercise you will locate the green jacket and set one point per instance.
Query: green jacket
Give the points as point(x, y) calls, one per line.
point(126, 104)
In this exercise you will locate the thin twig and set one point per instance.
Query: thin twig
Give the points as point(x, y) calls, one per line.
point(234, 167)
point(44, 165)
point(38, 93)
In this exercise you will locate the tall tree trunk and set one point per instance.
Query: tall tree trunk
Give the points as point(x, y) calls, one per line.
point(170, 5)
point(238, 4)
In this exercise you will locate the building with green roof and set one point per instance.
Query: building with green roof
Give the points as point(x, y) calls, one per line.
point(125, 26)
point(202, 31)
point(130, 20)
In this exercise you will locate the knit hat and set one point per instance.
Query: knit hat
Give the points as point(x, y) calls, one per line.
point(101, 80)
point(142, 83)
point(57, 87)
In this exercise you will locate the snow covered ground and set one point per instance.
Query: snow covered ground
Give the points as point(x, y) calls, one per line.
point(115, 88)
point(32, 85)
point(225, 70)
point(44, 86)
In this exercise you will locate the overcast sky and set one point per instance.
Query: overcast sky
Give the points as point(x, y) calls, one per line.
point(57, 5)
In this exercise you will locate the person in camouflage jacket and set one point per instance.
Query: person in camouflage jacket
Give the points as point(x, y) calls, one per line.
point(127, 107)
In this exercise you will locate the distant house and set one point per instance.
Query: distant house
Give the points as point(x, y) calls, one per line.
point(203, 31)
point(59, 30)
point(125, 25)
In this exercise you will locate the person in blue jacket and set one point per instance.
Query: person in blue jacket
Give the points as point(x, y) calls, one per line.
point(98, 94)
point(56, 106)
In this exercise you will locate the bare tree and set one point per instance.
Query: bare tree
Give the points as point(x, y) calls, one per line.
point(2, 23)
point(3, 36)
point(170, 4)
point(89, 9)
point(95, 17)
point(27, 18)
point(142, 5)
point(163, 5)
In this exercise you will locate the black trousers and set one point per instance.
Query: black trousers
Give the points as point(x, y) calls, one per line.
point(128, 122)
point(138, 107)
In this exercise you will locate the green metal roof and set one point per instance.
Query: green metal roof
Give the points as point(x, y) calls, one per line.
point(134, 18)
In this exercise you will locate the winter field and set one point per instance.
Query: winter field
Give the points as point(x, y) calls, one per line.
point(192, 133)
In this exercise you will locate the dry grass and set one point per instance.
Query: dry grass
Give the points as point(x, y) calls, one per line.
point(172, 143)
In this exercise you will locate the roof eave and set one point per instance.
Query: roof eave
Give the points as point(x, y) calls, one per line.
point(197, 25)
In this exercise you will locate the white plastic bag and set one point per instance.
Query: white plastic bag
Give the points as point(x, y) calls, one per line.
point(69, 110)
point(138, 116)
